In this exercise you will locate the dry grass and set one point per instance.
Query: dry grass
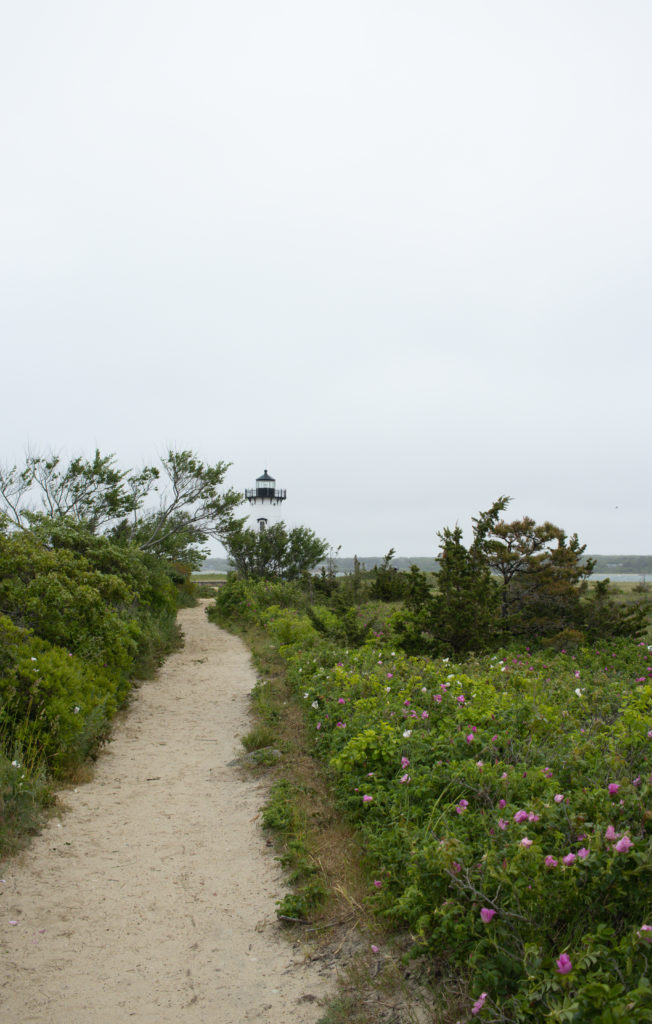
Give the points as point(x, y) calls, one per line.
point(80, 775)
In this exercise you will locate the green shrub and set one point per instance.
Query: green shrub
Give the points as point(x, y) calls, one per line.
point(514, 787)
point(387, 583)
point(81, 616)
point(109, 606)
point(289, 628)
point(52, 705)
point(233, 601)
point(49, 699)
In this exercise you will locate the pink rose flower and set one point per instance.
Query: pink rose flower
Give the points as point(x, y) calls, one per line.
point(550, 862)
point(623, 845)
point(478, 1004)
point(564, 964)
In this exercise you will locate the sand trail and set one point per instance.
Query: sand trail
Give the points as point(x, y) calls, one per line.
point(153, 897)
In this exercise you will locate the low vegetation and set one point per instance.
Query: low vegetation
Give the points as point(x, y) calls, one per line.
point(493, 758)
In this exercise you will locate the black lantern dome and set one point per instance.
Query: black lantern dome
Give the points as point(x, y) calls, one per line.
point(265, 490)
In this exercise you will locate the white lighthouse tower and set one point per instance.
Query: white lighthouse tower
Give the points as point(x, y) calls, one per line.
point(266, 500)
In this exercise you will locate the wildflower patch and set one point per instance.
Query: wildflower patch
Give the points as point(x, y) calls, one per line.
point(506, 819)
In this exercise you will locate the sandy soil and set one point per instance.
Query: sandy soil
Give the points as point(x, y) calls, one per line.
point(153, 897)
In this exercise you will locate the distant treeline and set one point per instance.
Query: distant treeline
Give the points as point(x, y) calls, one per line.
point(339, 565)
point(638, 565)
point(371, 561)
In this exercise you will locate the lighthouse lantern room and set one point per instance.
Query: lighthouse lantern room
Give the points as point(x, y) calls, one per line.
point(264, 497)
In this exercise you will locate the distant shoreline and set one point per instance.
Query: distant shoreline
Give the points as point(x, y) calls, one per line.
point(624, 568)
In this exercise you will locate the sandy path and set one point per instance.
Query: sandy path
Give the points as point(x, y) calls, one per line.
point(153, 898)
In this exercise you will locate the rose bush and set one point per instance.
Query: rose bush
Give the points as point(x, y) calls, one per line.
point(519, 843)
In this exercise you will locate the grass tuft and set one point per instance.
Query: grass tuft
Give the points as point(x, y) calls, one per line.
point(259, 737)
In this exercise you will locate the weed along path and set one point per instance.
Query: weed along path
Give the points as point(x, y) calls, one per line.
point(152, 899)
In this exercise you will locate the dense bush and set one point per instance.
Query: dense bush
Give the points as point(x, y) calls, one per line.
point(54, 708)
point(103, 616)
point(246, 600)
point(81, 617)
point(504, 805)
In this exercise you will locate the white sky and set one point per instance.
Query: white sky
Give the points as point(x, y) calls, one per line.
point(398, 253)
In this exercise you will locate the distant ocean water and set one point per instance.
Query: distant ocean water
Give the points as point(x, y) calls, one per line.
point(615, 577)
point(621, 577)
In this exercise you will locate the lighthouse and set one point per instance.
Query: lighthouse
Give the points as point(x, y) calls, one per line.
point(266, 499)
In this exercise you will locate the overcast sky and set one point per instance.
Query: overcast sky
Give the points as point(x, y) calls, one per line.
point(398, 253)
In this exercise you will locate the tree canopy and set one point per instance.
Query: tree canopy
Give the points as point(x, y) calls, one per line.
point(169, 509)
point(275, 552)
point(516, 581)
